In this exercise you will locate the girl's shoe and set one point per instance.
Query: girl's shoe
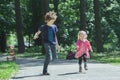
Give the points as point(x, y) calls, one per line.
point(86, 68)
point(80, 69)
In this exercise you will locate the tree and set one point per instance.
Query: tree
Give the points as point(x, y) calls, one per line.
point(2, 41)
point(21, 46)
point(55, 2)
point(6, 22)
point(82, 14)
point(38, 17)
point(98, 30)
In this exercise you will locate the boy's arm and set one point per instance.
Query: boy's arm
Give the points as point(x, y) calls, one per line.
point(36, 35)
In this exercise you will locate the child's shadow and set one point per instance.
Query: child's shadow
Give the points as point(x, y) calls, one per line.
point(21, 77)
point(69, 73)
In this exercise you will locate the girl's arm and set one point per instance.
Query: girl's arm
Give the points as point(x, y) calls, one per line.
point(77, 46)
point(89, 46)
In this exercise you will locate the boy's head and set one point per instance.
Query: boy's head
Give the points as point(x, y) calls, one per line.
point(51, 15)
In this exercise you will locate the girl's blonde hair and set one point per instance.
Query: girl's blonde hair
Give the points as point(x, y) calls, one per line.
point(83, 33)
point(50, 15)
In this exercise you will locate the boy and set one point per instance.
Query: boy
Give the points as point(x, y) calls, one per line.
point(49, 37)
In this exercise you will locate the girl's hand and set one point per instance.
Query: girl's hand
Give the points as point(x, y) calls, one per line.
point(91, 50)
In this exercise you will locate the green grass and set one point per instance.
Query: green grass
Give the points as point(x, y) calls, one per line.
point(39, 55)
point(7, 69)
point(107, 57)
point(116, 64)
point(31, 55)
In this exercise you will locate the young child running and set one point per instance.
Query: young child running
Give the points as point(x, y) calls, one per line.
point(82, 49)
point(49, 37)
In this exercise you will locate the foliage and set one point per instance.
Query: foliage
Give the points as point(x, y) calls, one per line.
point(34, 49)
point(68, 22)
point(112, 43)
point(111, 12)
point(11, 39)
point(7, 19)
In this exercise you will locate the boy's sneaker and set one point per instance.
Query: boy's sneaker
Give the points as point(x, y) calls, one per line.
point(46, 73)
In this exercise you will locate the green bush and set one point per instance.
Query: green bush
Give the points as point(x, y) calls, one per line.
point(34, 49)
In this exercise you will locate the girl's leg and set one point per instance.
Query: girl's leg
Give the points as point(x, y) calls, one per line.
point(85, 62)
point(48, 57)
point(80, 64)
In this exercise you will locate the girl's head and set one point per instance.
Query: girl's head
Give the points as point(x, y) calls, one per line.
point(82, 35)
point(50, 16)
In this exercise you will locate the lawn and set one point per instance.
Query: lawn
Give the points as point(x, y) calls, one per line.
point(7, 69)
point(106, 57)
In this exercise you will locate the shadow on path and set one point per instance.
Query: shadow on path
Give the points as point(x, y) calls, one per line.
point(29, 62)
point(68, 73)
point(21, 77)
point(71, 73)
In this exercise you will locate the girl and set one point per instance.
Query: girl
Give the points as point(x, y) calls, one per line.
point(82, 49)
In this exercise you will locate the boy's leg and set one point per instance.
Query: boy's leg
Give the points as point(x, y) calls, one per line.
point(54, 52)
point(80, 64)
point(85, 62)
point(48, 57)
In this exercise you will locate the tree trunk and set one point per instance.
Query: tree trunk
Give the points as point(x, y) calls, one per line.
point(44, 9)
point(55, 2)
point(38, 17)
point(82, 14)
point(21, 46)
point(2, 41)
point(98, 30)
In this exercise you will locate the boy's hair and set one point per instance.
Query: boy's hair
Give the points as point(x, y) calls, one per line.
point(50, 15)
point(82, 32)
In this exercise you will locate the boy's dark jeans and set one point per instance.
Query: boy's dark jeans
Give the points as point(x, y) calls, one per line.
point(51, 54)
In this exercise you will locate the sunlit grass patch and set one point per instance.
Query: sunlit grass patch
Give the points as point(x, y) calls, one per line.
point(7, 69)
point(107, 57)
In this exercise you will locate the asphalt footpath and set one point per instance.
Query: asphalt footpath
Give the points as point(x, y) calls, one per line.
point(31, 69)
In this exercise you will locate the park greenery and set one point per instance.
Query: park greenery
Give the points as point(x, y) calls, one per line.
point(104, 37)
point(20, 19)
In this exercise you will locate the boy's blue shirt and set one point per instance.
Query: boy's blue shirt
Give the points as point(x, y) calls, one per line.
point(48, 33)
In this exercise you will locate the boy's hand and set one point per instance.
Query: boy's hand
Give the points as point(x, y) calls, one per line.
point(58, 48)
point(35, 37)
